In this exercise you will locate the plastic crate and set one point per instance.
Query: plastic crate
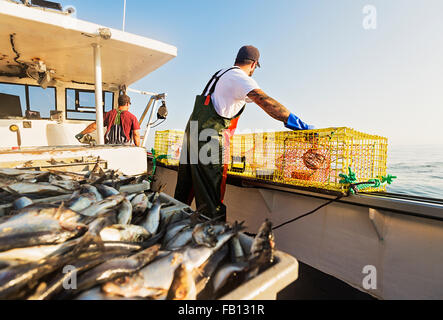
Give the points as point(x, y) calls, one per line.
point(169, 143)
point(267, 284)
point(270, 282)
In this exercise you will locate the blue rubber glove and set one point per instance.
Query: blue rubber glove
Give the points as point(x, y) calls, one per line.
point(294, 123)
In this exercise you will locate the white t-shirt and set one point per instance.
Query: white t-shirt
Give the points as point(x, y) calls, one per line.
point(231, 92)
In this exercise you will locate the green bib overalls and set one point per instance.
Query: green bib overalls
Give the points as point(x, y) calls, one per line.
point(196, 178)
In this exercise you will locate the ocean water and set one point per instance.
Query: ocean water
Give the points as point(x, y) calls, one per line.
point(419, 170)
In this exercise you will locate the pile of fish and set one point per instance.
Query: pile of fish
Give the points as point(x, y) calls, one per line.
point(101, 243)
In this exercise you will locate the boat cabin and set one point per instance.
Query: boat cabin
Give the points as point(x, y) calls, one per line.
point(59, 73)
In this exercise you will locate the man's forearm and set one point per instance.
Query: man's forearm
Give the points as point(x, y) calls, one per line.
point(137, 138)
point(91, 128)
point(271, 106)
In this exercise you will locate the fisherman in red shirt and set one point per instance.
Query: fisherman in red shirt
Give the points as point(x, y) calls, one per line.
point(122, 126)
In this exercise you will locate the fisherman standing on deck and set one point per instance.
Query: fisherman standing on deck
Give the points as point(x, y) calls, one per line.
point(122, 126)
point(214, 118)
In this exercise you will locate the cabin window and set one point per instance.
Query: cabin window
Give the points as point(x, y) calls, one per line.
point(16, 99)
point(80, 104)
point(42, 101)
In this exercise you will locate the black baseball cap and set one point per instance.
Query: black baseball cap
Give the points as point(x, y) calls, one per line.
point(249, 53)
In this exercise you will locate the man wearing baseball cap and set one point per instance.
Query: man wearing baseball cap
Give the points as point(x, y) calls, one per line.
point(219, 108)
point(122, 127)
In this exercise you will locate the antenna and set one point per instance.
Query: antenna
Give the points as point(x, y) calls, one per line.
point(124, 14)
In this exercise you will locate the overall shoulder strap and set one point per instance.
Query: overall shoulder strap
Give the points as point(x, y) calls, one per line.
point(215, 77)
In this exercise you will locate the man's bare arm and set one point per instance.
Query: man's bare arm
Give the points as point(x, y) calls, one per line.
point(137, 137)
point(271, 106)
point(91, 128)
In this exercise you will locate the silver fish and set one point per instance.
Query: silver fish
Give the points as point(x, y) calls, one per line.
point(175, 217)
point(237, 252)
point(227, 271)
point(14, 280)
point(115, 268)
point(140, 203)
point(131, 196)
point(262, 250)
point(153, 281)
point(153, 197)
point(58, 212)
point(204, 234)
point(174, 229)
point(181, 239)
point(195, 257)
point(107, 191)
point(17, 172)
point(183, 286)
point(219, 228)
point(26, 178)
point(87, 188)
point(8, 263)
point(105, 220)
point(124, 233)
point(29, 254)
point(205, 273)
point(84, 262)
point(125, 212)
point(96, 294)
point(34, 188)
point(152, 221)
point(21, 203)
point(70, 185)
point(103, 206)
point(81, 202)
point(34, 230)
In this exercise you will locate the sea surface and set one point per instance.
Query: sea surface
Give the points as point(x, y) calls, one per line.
point(419, 170)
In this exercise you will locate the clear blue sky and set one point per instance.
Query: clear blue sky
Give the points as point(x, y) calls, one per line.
point(317, 59)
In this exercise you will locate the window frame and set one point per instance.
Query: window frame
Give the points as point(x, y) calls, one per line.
point(77, 103)
point(27, 99)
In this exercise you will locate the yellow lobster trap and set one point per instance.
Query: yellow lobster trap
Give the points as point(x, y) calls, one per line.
point(313, 159)
point(169, 143)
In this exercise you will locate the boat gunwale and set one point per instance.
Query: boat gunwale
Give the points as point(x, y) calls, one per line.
point(414, 206)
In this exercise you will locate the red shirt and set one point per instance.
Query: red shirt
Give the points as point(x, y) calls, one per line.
point(128, 120)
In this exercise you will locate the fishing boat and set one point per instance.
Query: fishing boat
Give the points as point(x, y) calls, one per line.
point(57, 75)
point(383, 244)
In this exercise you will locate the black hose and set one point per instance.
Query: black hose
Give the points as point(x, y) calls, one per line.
point(308, 213)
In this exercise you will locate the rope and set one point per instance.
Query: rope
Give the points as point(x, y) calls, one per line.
point(309, 213)
point(154, 163)
point(354, 188)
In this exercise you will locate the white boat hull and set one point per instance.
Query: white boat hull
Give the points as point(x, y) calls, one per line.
point(394, 255)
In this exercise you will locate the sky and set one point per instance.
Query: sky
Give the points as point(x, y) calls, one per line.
point(317, 59)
